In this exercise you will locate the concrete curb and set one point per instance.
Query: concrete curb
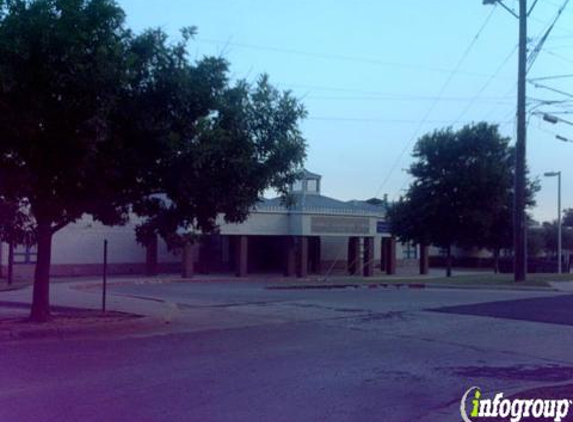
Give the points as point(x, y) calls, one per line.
point(410, 286)
point(96, 285)
point(313, 285)
point(53, 308)
point(134, 325)
point(496, 287)
point(349, 286)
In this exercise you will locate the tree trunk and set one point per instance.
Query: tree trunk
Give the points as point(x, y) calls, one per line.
point(10, 275)
point(424, 261)
point(496, 260)
point(151, 257)
point(41, 296)
point(449, 262)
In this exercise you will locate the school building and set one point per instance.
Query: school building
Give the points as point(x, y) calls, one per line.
point(315, 235)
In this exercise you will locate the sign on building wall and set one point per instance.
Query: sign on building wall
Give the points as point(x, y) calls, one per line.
point(382, 227)
point(340, 225)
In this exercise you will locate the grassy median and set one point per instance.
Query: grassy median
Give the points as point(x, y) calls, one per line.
point(462, 280)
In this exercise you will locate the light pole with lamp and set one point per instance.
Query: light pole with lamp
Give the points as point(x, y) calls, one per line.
point(558, 174)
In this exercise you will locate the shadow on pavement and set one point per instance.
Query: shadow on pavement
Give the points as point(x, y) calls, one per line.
point(551, 310)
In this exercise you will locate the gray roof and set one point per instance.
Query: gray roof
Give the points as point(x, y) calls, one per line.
point(324, 202)
point(310, 175)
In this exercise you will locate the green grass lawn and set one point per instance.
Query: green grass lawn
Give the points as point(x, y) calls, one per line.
point(477, 279)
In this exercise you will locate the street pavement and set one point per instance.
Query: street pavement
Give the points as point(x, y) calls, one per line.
point(239, 351)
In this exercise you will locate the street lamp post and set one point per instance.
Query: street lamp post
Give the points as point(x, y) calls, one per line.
point(559, 245)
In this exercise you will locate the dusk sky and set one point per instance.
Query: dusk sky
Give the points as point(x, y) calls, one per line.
point(376, 75)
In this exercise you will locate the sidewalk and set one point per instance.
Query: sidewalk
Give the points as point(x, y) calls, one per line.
point(76, 304)
point(562, 286)
point(77, 311)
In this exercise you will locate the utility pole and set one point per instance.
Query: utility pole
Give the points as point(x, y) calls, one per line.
point(519, 221)
point(559, 228)
point(559, 237)
point(104, 287)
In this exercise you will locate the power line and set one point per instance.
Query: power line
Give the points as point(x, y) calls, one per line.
point(535, 53)
point(368, 93)
point(560, 46)
point(497, 100)
point(494, 75)
point(485, 86)
point(559, 56)
point(555, 5)
point(532, 58)
point(558, 28)
point(543, 129)
point(328, 56)
point(558, 91)
point(510, 92)
point(435, 102)
point(544, 78)
point(372, 120)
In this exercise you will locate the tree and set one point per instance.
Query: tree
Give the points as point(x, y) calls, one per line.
point(567, 219)
point(16, 223)
point(16, 227)
point(549, 232)
point(97, 120)
point(535, 241)
point(459, 195)
point(251, 144)
point(499, 234)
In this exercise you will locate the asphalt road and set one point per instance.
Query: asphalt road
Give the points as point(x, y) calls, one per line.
point(239, 352)
point(551, 310)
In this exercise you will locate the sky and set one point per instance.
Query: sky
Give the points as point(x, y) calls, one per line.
point(375, 75)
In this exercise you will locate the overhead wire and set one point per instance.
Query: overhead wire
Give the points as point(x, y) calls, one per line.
point(535, 53)
point(558, 91)
point(559, 56)
point(533, 56)
point(544, 37)
point(436, 101)
point(495, 100)
point(330, 56)
point(372, 120)
point(485, 86)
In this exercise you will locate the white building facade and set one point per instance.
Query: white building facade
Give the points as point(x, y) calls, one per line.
point(315, 235)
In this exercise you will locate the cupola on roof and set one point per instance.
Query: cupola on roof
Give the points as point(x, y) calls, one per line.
point(308, 183)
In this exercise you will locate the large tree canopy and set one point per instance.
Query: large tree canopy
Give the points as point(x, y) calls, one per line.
point(97, 120)
point(462, 190)
point(250, 144)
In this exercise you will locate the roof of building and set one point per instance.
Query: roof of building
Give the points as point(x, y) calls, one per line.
point(307, 200)
point(315, 202)
point(310, 175)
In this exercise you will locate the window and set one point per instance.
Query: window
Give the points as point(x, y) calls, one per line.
point(312, 185)
point(25, 255)
point(410, 251)
point(297, 186)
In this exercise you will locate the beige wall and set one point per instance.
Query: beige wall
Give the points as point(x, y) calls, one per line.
point(271, 224)
point(82, 243)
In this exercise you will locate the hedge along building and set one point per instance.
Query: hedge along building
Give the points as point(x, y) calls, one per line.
point(317, 234)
